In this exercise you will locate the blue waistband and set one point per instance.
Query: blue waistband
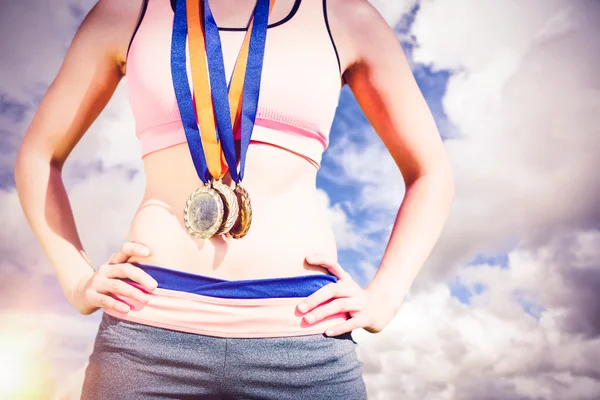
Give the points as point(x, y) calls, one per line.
point(293, 286)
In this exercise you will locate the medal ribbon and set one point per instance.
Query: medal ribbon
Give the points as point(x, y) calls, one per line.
point(183, 93)
point(225, 115)
point(204, 145)
point(201, 90)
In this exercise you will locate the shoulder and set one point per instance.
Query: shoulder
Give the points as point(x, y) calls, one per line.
point(109, 25)
point(356, 17)
point(106, 14)
point(352, 10)
point(358, 28)
point(115, 11)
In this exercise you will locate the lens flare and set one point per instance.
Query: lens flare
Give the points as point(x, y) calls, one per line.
point(23, 372)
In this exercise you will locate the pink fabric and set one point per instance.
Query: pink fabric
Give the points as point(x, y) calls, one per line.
point(304, 142)
point(299, 90)
point(214, 316)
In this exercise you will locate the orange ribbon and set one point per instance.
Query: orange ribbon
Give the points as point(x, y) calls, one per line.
point(203, 103)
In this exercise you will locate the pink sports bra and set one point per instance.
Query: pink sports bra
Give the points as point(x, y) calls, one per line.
point(299, 90)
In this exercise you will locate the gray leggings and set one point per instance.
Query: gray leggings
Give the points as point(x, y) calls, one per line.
point(137, 361)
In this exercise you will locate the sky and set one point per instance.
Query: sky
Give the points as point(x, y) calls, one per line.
point(507, 305)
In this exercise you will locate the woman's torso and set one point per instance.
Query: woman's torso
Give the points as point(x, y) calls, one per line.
point(299, 93)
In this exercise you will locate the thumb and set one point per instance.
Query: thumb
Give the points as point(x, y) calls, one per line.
point(332, 266)
point(129, 249)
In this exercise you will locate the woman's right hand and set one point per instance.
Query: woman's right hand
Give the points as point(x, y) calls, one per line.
point(101, 288)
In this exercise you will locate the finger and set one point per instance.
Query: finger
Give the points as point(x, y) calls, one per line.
point(130, 249)
point(333, 267)
point(347, 326)
point(327, 292)
point(334, 307)
point(134, 248)
point(118, 258)
point(132, 272)
point(108, 302)
point(119, 287)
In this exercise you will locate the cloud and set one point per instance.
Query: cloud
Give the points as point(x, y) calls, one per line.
point(345, 234)
point(106, 157)
point(524, 99)
point(370, 167)
point(440, 348)
point(562, 275)
point(527, 122)
point(28, 67)
point(392, 11)
point(102, 231)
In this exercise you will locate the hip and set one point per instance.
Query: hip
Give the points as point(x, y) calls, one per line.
point(228, 308)
point(205, 337)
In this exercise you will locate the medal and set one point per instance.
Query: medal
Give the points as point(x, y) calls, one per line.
point(231, 207)
point(242, 224)
point(215, 208)
point(203, 214)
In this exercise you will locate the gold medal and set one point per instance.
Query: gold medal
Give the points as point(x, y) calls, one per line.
point(242, 224)
point(203, 213)
point(231, 208)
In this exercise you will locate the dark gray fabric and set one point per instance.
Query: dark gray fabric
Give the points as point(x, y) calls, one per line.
point(137, 361)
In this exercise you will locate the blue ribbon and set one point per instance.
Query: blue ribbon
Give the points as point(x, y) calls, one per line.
point(183, 93)
point(251, 91)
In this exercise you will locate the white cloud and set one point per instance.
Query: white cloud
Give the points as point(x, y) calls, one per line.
point(440, 348)
point(392, 11)
point(345, 233)
point(102, 183)
point(525, 163)
point(28, 61)
point(28, 67)
point(524, 96)
point(101, 169)
point(103, 201)
point(561, 275)
point(369, 167)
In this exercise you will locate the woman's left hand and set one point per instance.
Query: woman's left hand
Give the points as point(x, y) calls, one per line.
point(367, 308)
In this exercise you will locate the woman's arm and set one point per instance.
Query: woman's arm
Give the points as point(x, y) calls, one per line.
point(89, 75)
point(381, 79)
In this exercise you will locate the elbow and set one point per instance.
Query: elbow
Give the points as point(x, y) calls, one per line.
point(439, 181)
point(445, 183)
point(449, 186)
point(30, 166)
point(444, 187)
point(18, 168)
point(31, 160)
point(450, 192)
point(442, 177)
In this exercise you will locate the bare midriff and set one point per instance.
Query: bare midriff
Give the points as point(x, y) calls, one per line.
point(288, 221)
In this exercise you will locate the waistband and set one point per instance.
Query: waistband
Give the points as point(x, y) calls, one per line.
point(228, 308)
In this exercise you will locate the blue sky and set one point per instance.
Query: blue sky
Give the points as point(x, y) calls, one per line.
point(432, 85)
